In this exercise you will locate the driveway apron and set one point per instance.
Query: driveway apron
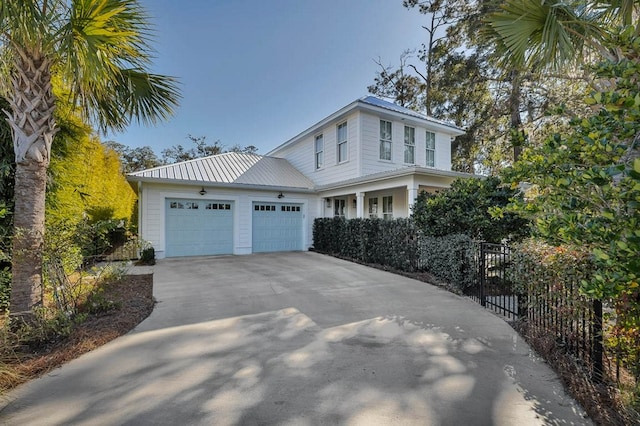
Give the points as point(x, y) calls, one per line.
point(300, 339)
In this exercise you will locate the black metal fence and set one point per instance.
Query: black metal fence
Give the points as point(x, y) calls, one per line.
point(491, 287)
point(549, 308)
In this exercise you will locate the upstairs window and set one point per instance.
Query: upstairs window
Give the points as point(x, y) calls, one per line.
point(409, 145)
point(431, 149)
point(385, 140)
point(319, 152)
point(342, 142)
point(387, 207)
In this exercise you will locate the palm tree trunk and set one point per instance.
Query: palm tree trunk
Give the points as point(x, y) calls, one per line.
point(33, 125)
point(27, 288)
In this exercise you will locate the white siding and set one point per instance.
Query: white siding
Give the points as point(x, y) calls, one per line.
point(371, 162)
point(443, 151)
point(153, 211)
point(302, 153)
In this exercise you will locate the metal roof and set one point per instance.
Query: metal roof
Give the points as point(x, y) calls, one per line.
point(371, 103)
point(230, 168)
point(372, 100)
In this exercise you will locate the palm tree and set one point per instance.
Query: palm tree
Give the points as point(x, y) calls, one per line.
point(544, 34)
point(99, 50)
point(537, 35)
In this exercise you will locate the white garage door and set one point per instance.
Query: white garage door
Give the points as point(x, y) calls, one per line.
point(198, 227)
point(277, 227)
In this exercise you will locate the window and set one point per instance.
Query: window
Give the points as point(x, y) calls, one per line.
point(319, 152)
point(373, 208)
point(342, 142)
point(387, 207)
point(385, 140)
point(289, 208)
point(409, 145)
point(192, 205)
point(431, 149)
point(216, 206)
point(339, 208)
point(176, 205)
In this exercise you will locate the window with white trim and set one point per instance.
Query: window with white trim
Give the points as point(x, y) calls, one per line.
point(409, 145)
point(387, 207)
point(319, 145)
point(385, 140)
point(431, 149)
point(373, 208)
point(342, 142)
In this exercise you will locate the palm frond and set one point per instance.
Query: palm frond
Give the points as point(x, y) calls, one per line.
point(543, 33)
point(108, 52)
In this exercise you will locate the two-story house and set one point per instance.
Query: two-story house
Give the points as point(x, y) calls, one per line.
point(369, 159)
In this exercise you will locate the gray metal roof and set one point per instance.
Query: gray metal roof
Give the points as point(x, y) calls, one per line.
point(372, 100)
point(372, 103)
point(230, 168)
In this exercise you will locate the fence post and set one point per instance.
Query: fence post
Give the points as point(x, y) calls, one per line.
point(597, 342)
point(483, 273)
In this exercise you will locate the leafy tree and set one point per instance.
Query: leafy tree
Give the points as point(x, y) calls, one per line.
point(85, 179)
point(249, 149)
point(585, 185)
point(459, 77)
point(465, 208)
point(398, 84)
point(134, 159)
point(100, 51)
point(178, 153)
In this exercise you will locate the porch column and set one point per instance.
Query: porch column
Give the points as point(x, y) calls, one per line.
point(412, 194)
point(321, 207)
point(359, 204)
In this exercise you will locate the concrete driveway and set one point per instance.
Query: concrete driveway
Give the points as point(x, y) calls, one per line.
point(301, 339)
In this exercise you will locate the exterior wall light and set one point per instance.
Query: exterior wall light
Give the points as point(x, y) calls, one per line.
point(202, 191)
point(280, 195)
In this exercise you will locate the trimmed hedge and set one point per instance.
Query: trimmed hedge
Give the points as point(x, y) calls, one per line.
point(397, 244)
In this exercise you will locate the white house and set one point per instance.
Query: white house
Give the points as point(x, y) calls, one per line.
point(369, 159)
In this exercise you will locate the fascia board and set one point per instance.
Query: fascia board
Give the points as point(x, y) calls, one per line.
point(392, 175)
point(245, 186)
point(313, 129)
point(424, 122)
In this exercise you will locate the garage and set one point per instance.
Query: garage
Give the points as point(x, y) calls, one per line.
point(198, 227)
point(277, 227)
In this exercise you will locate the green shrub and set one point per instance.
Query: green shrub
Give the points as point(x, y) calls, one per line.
point(148, 255)
point(468, 207)
point(5, 288)
point(450, 258)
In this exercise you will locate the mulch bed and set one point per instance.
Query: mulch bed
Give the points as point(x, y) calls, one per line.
point(134, 296)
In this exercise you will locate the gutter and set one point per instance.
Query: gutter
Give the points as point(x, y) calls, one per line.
point(131, 178)
point(408, 171)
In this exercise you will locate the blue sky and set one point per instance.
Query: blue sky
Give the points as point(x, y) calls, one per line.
point(259, 72)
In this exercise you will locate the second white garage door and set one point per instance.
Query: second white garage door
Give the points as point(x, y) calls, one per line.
point(277, 227)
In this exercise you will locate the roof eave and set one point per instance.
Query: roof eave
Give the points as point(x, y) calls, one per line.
point(434, 124)
point(360, 104)
point(132, 178)
point(380, 177)
point(343, 111)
